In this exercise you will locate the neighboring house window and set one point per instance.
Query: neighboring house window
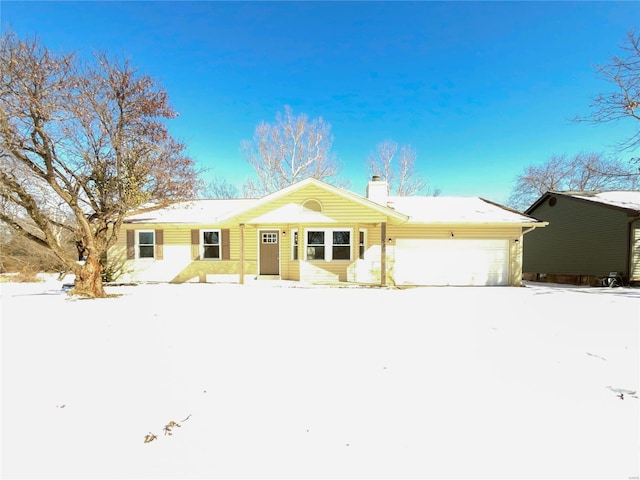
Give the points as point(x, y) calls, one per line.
point(210, 244)
point(146, 243)
point(362, 244)
point(294, 245)
point(328, 244)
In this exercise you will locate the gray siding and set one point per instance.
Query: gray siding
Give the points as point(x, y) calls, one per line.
point(635, 252)
point(582, 238)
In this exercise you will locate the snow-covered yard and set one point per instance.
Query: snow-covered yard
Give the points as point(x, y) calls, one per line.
point(271, 381)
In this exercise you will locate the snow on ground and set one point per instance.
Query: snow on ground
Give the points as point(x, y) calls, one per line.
point(269, 380)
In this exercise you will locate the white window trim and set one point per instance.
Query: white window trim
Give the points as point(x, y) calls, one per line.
point(138, 244)
point(294, 247)
point(364, 241)
point(328, 244)
point(202, 244)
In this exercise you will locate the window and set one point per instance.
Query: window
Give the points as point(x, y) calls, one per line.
point(341, 249)
point(294, 245)
point(146, 243)
point(211, 244)
point(315, 245)
point(328, 244)
point(362, 244)
point(311, 206)
point(143, 244)
point(270, 237)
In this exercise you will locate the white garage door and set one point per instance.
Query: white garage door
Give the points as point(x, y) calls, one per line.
point(451, 262)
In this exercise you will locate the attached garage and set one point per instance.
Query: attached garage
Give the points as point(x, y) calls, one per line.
point(451, 262)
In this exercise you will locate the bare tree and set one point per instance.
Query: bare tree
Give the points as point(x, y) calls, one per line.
point(82, 144)
point(584, 171)
point(20, 255)
point(397, 168)
point(623, 72)
point(287, 151)
point(220, 188)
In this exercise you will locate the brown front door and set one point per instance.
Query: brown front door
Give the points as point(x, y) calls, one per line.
point(269, 252)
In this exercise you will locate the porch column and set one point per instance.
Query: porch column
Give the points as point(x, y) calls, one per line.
point(383, 254)
point(241, 265)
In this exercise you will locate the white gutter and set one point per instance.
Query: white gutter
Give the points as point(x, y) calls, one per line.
point(531, 229)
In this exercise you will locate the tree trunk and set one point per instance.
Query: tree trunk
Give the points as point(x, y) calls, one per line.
point(89, 279)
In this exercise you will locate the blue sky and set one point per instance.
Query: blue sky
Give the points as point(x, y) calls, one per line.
point(478, 89)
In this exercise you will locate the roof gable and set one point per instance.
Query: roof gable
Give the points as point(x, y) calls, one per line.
point(286, 205)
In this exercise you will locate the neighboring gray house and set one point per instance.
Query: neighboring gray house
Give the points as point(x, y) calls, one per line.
point(589, 235)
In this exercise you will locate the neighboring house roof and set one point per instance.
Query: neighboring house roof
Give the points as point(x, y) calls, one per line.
point(401, 209)
point(628, 200)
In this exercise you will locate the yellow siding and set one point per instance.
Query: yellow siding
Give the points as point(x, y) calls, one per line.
point(444, 231)
point(333, 206)
point(177, 265)
point(324, 272)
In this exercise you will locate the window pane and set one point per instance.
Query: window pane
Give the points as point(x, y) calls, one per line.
point(146, 251)
point(145, 238)
point(315, 238)
point(341, 238)
point(269, 238)
point(211, 251)
point(211, 238)
point(315, 253)
point(341, 253)
point(295, 245)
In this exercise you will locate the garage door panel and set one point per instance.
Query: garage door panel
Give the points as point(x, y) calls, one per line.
point(451, 262)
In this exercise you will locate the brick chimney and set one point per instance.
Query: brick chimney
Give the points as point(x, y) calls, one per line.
point(378, 190)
